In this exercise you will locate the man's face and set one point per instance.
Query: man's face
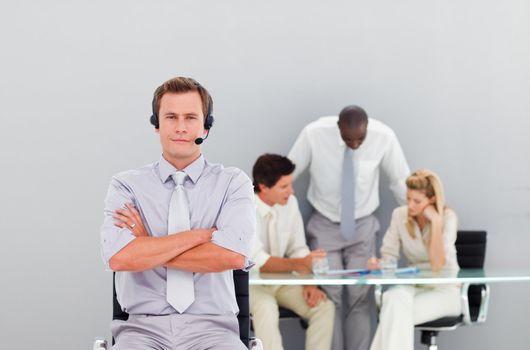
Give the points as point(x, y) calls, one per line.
point(279, 193)
point(181, 122)
point(353, 137)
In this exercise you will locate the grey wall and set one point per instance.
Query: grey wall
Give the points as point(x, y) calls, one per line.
point(452, 78)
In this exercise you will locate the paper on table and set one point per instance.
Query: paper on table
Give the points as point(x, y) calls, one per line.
point(359, 272)
point(348, 272)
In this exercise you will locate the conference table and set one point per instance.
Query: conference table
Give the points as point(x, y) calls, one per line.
point(423, 276)
point(465, 277)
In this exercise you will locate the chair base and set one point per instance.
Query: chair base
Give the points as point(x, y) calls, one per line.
point(429, 338)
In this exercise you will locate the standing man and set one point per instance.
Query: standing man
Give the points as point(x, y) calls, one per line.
point(345, 156)
point(281, 247)
point(174, 230)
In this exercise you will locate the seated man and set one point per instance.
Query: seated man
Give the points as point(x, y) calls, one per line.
point(281, 247)
point(174, 230)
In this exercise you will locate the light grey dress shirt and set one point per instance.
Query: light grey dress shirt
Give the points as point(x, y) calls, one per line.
point(218, 197)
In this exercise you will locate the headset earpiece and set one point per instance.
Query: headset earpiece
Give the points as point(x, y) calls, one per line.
point(208, 122)
point(154, 117)
point(154, 121)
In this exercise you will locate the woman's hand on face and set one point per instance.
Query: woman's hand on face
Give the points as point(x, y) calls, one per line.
point(430, 213)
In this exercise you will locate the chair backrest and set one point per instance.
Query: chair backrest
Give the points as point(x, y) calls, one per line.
point(471, 252)
point(471, 249)
point(241, 288)
point(117, 312)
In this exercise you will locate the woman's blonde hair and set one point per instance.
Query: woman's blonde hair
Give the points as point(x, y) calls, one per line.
point(429, 183)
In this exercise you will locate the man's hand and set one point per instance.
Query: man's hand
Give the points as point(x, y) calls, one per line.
point(313, 296)
point(130, 218)
point(306, 263)
point(373, 264)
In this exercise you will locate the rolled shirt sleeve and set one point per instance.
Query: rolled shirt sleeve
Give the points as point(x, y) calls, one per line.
point(300, 153)
point(114, 238)
point(236, 223)
point(297, 245)
point(259, 255)
point(395, 166)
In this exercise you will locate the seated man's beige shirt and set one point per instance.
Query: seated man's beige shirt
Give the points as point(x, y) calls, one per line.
point(289, 234)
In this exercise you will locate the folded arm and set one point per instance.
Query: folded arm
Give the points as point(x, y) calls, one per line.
point(144, 252)
point(207, 257)
point(127, 246)
point(126, 242)
point(189, 250)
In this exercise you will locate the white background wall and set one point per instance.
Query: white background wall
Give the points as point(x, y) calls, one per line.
point(452, 78)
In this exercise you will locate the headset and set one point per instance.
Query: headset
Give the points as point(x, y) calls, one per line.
point(208, 119)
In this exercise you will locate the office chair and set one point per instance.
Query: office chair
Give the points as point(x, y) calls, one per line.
point(470, 252)
point(243, 318)
point(287, 314)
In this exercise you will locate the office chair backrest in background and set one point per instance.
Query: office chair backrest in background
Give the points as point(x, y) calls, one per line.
point(471, 249)
point(471, 252)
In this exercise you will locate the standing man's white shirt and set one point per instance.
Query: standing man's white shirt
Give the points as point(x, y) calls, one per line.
point(290, 236)
point(321, 147)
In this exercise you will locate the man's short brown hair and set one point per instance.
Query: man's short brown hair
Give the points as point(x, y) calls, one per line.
point(269, 168)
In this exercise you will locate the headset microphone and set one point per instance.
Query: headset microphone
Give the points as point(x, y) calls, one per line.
point(208, 123)
point(200, 140)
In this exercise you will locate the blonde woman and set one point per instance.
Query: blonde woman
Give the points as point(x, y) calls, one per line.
point(425, 229)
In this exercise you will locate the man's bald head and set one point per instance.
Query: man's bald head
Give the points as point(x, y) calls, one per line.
point(353, 116)
point(353, 125)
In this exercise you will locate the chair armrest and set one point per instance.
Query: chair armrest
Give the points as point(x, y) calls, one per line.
point(100, 343)
point(483, 312)
point(378, 295)
point(483, 306)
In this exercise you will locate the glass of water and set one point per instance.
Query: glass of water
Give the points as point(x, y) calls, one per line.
point(388, 265)
point(320, 265)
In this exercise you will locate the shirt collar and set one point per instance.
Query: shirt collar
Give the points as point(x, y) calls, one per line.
point(194, 170)
point(262, 207)
point(339, 139)
point(426, 229)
